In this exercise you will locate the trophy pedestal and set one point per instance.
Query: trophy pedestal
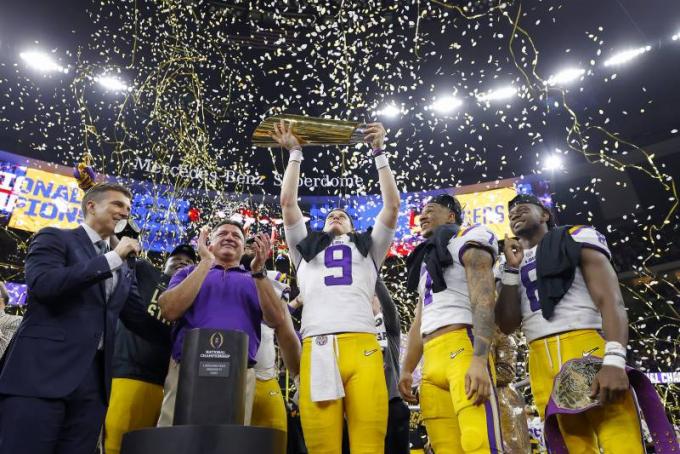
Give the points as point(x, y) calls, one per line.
point(226, 439)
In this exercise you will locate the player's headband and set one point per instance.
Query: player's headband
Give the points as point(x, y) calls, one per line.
point(532, 199)
point(351, 222)
point(450, 202)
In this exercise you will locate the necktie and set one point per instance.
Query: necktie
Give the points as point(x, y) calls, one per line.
point(103, 248)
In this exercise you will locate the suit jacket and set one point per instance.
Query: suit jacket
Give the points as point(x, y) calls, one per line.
point(67, 314)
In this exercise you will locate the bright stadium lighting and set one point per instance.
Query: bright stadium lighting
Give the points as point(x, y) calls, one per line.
point(552, 162)
point(626, 56)
point(498, 95)
point(565, 76)
point(41, 61)
point(446, 104)
point(390, 111)
point(676, 36)
point(112, 83)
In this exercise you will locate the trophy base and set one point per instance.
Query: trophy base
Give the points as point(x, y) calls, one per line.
point(224, 439)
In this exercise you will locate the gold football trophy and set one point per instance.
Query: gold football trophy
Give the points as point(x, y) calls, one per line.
point(311, 131)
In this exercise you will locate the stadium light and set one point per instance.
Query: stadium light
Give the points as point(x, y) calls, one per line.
point(446, 104)
point(553, 162)
point(389, 111)
point(565, 76)
point(676, 36)
point(41, 61)
point(626, 56)
point(498, 94)
point(112, 83)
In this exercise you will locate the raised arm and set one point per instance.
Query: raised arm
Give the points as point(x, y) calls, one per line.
point(611, 381)
point(414, 351)
point(375, 135)
point(508, 309)
point(283, 135)
point(175, 301)
point(478, 270)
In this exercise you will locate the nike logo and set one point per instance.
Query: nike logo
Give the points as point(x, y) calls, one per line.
point(456, 353)
point(370, 352)
point(587, 353)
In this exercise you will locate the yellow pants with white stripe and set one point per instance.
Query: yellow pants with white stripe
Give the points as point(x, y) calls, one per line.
point(269, 409)
point(454, 424)
point(134, 404)
point(364, 405)
point(614, 428)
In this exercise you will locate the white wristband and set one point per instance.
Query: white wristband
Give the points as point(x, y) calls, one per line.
point(614, 347)
point(381, 161)
point(295, 154)
point(615, 361)
point(510, 278)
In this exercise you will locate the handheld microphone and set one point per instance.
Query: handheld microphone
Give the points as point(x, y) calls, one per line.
point(128, 227)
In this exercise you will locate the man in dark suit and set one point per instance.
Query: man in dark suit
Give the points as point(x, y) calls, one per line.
point(55, 377)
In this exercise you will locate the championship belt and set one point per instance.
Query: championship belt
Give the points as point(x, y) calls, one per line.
point(571, 395)
point(310, 131)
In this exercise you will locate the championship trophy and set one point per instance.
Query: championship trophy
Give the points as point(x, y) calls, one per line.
point(311, 131)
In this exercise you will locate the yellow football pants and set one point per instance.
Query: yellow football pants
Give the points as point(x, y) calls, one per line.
point(615, 427)
point(269, 409)
point(134, 404)
point(454, 425)
point(364, 405)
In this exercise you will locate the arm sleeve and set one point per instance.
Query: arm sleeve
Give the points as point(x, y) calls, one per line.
point(294, 234)
point(476, 236)
point(382, 237)
point(136, 318)
point(114, 260)
point(179, 276)
point(47, 275)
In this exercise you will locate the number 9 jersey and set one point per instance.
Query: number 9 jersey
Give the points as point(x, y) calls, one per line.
point(576, 310)
point(338, 284)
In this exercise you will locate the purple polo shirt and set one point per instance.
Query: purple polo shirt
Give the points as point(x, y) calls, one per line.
point(227, 300)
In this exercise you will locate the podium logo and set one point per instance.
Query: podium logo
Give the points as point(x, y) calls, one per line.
point(216, 340)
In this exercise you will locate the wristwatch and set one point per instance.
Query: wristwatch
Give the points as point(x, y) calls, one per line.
point(259, 274)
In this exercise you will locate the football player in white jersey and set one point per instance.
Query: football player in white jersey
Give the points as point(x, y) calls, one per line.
point(341, 371)
point(452, 330)
point(589, 319)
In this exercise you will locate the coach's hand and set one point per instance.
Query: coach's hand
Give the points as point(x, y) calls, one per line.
point(204, 251)
point(127, 246)
point(406, 387)
point(262, 247)
point(609, 384)
point(375, 135)
point(283, 135)
point(477, 381)
point(514, 253)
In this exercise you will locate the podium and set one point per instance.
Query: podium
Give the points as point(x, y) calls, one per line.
point(210, 404)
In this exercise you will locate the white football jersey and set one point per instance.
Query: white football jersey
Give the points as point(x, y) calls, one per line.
point(452, 305)
point(337, 286)
point(576, 310)
point(265, 366)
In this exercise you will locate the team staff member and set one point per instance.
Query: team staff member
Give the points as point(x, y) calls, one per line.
point(139, 365)
point(453, 272)
point(55, 377)
point(219, 293)
point(8, 323)
point(570, 328)
point(341, 371)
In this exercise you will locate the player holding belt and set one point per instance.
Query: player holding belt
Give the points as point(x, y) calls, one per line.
point(453, 329)
point(341, 371)
point(569, 326)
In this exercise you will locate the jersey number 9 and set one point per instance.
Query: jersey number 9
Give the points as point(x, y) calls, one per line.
point(339, 256)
